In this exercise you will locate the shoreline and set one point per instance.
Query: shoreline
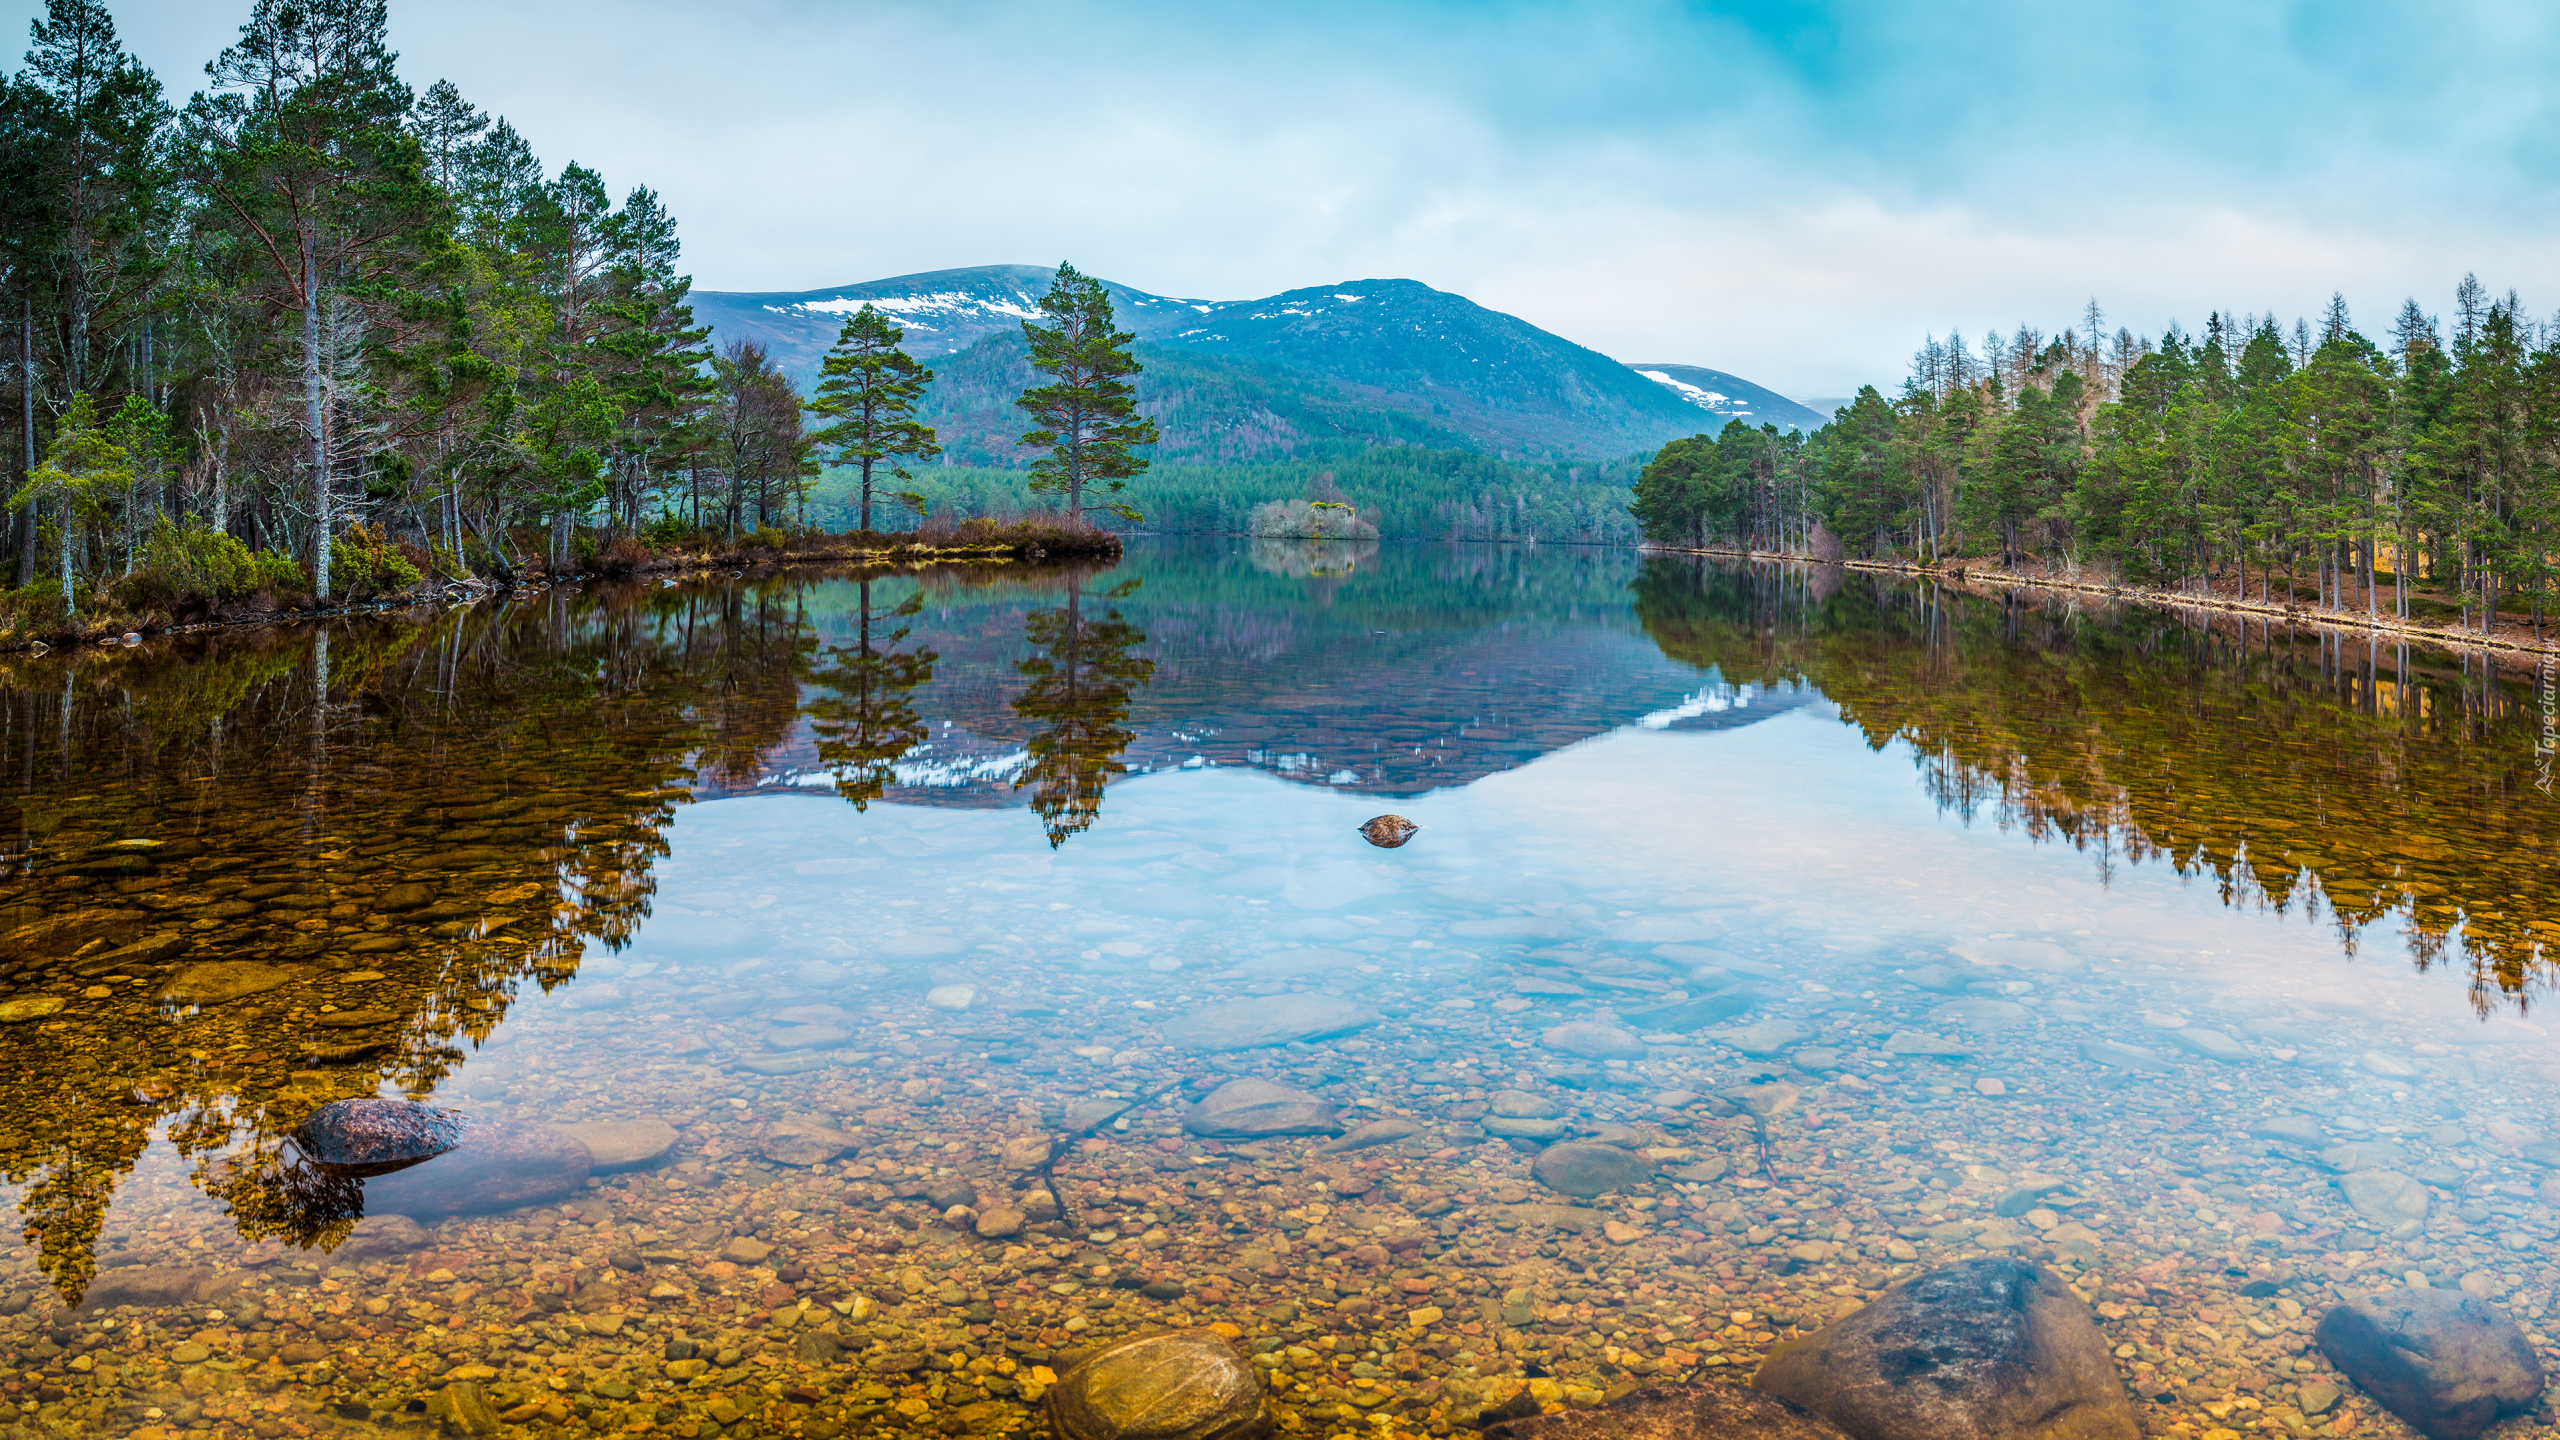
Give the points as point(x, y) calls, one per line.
point(2444, 637)
point(93, 632)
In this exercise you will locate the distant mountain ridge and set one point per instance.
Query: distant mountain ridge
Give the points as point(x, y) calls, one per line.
point(1733, 397)
point(1292, 375)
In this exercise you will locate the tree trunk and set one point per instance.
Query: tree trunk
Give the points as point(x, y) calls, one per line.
point(27, 417)
point(312, 404)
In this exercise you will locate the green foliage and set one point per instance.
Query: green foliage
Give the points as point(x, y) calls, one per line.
point(1086, 417)
point(1405, 491)
point(365, 562)
point(183, 559)
point(870, 388)
point(667, 531)
point(2317, 466)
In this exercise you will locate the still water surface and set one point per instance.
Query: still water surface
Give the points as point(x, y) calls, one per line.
point(831, 965)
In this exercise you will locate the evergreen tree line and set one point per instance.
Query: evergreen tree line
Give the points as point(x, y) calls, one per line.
point(2419, 477)
point(312, 331)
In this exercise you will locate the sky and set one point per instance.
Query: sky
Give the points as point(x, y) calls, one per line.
point(1794, 193)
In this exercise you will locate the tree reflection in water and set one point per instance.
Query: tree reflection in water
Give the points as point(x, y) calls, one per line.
point(1079, 698)
point(868, 722)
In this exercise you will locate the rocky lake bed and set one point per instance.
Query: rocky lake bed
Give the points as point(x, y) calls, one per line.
point(524, 1046)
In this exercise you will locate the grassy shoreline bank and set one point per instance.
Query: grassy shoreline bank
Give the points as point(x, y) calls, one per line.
point(1022, 543)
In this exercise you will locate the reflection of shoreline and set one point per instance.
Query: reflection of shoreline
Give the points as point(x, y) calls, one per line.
point(1310, 558)
point(2165, 736)
point(1994, 582)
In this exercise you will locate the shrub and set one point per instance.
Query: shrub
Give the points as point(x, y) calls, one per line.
point(667, 531)
point(364, 562)
point(765, 537)
point(622, 555)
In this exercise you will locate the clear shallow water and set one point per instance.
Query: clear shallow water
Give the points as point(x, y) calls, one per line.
point(2022, 925)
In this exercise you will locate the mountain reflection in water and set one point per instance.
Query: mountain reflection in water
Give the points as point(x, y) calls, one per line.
point(244, 875)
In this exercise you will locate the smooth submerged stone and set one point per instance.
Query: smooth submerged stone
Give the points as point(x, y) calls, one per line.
point(2450, 1364)
point(1183, 1385)
point(1388, 831)
point(1593, 1041)
point(1983, 1350)
point(216, 981)
point(499, 1165)
point(149, 1285)
point(1768, 1037)
point(30, 1007)
point(1522, 1105)
point(1918, 1042)
point(2121, 1055)
point(1704, 1410)
point(1376, 1132)
point(1272, 1020)
point(1584, 1168)
point(2391, 1200)
point(376, 1136)
point(1775, 1097)
point(2213, 1045)
point(1559, 1217)
point(621, 1144)
point(1522, 1128)
point(1699, 1012)
point(802, 1143)
point(1247, 1107)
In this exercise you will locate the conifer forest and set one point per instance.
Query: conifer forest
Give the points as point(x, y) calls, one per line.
point(2417, 476)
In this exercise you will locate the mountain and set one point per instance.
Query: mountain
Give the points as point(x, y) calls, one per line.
point(1304, 373)
point(1732, 397)
point(943, 311)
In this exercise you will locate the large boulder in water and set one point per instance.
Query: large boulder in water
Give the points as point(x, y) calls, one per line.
point(1586, 1168)
point(1181, 1385)
point(499, 1165)
point(376, 1137)
point(1984, 1350)
point(2450, 1364)
point(1703, 1411)
point(1245, 1107)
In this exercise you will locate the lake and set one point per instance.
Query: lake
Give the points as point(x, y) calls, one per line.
point(864, 993)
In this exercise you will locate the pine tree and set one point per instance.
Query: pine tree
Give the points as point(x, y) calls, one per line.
point(81, 470)
point(301, 149)
point(870, 388)
point(1087, 415)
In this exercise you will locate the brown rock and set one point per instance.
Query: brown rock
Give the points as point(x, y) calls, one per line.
point(1388, 831)
point(217, 981)
point(802, 1142)
point(1983, 1350)
point(1182, 1385)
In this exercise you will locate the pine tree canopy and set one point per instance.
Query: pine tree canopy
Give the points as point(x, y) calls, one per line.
point(870, 389)
point(1087, 415)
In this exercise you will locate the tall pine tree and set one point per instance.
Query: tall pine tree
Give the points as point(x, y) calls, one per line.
point(870, 388)
point(1087, 414)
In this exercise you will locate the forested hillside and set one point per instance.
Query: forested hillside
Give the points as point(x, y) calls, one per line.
point(1408, 493)
point(2417, 476)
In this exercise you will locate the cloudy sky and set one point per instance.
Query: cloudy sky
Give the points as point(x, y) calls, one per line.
point(1796, 193)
